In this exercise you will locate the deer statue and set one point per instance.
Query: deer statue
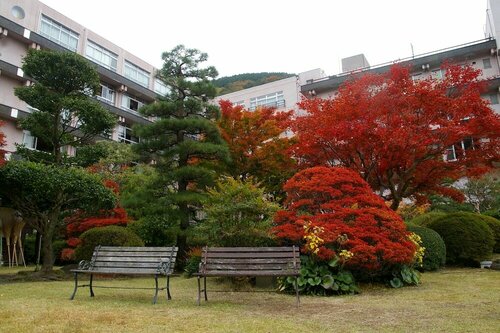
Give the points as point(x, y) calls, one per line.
point(12, 226)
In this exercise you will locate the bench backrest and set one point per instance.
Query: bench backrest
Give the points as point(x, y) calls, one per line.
point(134, 260)
point(250, 261)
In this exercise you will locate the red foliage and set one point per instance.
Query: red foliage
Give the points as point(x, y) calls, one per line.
point(68, 254)
point(79, 222)
point(340, 202)
point(395, 131)
point(257, 143)
point(2, 143)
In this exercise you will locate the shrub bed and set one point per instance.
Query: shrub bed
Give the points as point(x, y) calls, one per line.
point(435, 249)
point(425, 219)
point(106, 236)
point(468, 239)
point(494, 225)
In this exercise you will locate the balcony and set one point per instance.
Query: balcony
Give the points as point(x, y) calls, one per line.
point(280, 104)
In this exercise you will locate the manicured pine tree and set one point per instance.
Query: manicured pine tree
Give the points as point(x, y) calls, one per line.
point(184, 142)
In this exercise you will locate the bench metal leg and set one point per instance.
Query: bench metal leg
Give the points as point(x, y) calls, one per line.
point(169, 297)
point(297, 290)
point(155, 298)
point(90, 285)
point(76, 287)
point(205, 287)
point(199, 290)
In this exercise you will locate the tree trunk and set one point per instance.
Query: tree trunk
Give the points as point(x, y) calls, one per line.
point(48, 236)
point(395, 204)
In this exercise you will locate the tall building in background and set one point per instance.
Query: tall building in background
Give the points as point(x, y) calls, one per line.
point(127, 82)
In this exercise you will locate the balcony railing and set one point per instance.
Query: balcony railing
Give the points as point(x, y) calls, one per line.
point(274, 104)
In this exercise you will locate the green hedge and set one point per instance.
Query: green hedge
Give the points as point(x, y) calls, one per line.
point(494, 225)
point(435, 249)
point(467, 237)
point(425, 219)
point(106, 236)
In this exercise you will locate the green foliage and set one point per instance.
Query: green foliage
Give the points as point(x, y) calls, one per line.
point(184, 142)
point(105, 236)
point(468, 239)
point(192, 264)
point(57, 247)
point(37, 189)
point(228, 84)
point(155, 230)
point(404, 276)
point(320, 278)
point(435, 249)
point(483, 193)
point(45, 194)
point(425, 219)
point(63, 82)
point(448, 205)
point(494, 225)
point(237, 214)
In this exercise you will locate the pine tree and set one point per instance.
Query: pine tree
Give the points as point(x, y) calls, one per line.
point(184, 142)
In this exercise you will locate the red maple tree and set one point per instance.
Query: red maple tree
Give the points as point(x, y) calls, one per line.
point(257, 144)
point(395, 131)
point(2, 144)
point(348, 215)
point(79, 222)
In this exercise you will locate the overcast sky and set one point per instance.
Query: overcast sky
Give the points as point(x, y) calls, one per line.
point(281, 35)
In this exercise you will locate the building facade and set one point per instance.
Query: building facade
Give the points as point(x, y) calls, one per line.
point(127, 82)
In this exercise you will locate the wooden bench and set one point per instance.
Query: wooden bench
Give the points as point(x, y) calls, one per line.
point(250, 262)
point(157, 261)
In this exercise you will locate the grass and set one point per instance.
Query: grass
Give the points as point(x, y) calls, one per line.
point(452, 300)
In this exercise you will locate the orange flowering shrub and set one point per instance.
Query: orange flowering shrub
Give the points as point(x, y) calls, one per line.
point(337, 206)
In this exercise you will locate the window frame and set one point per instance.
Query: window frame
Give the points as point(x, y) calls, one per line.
point(53, 24)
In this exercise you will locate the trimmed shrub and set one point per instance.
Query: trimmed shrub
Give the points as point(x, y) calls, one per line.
point(468, 239)
point(425, 219)
point(494, 225)
point(106, 236)
point(435, 249)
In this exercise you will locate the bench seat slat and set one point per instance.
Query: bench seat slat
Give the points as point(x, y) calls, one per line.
point(133, 254)
point(126, 264)
point(251, 273)
point(249, 255)
point(117, 270)
point(133, 259)
point(135, 248)
point(276, 261)
point(252, 249)
point(245, 266)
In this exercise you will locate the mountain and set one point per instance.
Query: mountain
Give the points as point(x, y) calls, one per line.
point(228, 84)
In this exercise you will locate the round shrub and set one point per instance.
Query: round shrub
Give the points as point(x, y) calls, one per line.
point(468, 239)
point(425, 219)
point(106, 236)
point(494, 225)
point(435, 249)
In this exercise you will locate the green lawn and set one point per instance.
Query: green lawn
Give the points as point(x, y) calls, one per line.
point(452, 300)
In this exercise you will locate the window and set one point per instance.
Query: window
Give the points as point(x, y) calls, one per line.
point(100, 55)
point(58, 33)
point(493, 98)
point(125, 135)
point(33, 143)
point(459, 149)
point(136, 74)
point(106, 94)
point(29, 141)
point(486, 63)
point(437, 74)
point(130, 103)
point(271, 100)
point(160, 87)
point(240, 103)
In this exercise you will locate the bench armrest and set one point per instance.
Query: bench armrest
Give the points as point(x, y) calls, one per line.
point(85, 265)
point(164, 267)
